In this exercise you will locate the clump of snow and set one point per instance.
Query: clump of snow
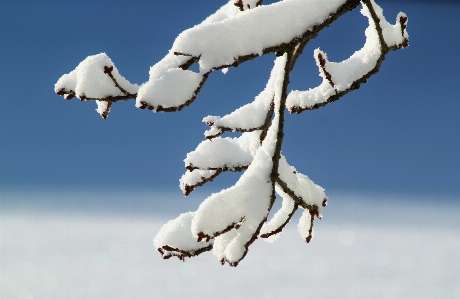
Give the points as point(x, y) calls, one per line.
point(103, 108)
point(88, 79)
point(191, 178)
point(305, 225)
point(224, 152)
point(213, 132)
point(311, 97)
point(281, 217)
point(174, 88)
point(220, 43)
point(176, 234)
point(301, 185)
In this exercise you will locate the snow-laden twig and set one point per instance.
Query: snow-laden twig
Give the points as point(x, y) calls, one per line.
point(229, 221)
point(342, 77)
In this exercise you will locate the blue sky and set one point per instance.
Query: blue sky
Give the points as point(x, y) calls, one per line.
point(399, 133)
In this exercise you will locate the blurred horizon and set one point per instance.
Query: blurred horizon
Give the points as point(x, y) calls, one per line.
point(91, 247)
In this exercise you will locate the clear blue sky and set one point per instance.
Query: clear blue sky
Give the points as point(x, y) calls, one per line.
point(399, 133)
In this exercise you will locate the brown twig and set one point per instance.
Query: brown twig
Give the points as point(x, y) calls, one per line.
point(189, 188)
point(180, 253)
point(281, 227)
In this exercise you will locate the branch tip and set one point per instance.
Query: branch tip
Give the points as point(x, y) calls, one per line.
point(108, 69)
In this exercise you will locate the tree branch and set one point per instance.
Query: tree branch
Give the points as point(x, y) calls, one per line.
point(188, 188)
point(168, 251)
point(384, 49)
point(281, 227)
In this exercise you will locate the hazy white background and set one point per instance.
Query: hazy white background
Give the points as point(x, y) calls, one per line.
point(365, 247)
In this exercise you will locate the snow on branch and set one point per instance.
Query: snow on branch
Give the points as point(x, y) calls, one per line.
point(273, 228)
point(96, 78)
point(224, 153)
point(261, 110)
point(175, 239)
point(195, 178)
point(343, 77)
point(229, 221)
point(267, 29)
point(223, 40)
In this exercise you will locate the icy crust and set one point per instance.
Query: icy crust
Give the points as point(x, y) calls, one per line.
point(281, 217)
point(224, 153)
point(304, 188)
point(88, 79)
point(176, 235)
point(248, 117)
point(344, 74)
point(219, 44)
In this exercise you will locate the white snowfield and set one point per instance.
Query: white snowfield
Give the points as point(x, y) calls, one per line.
point(365, 247)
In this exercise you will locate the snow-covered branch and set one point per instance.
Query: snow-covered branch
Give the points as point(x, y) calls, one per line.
point(216, 43)
point(342, 77)
point(229, 221)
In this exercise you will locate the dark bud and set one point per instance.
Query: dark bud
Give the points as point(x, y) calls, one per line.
point(108, 69)
point(200, 236)
point(324, 202)
point(239, 4)
point(403, 19)
point(322, 61)
point(143, 105)
point(405, 43)
point(187, 190)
